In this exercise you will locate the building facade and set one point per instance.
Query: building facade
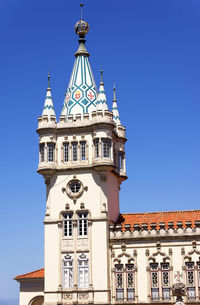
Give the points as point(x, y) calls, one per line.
point(94, 254)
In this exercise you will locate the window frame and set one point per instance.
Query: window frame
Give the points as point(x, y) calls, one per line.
point(42, 152)
point(119, 291)
point(83, 150)
point(106, 148)
point(85, 268)
point(190, 287)
point(66, 152)
point(51, 153)
point(82, 224)
point(74, 151)
point(129, 289)
point(96, 148)
point(67, 225)
point(70, 271)
point(156, 271)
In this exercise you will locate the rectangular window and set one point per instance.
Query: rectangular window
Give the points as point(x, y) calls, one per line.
point(41, 152)
point(130, 281)
point(82, 224)
point(83, 145)
point(154, 281)
point(50, 150)
point(165, 281)
point(119, 279)
point(66, 152)
point(83, 273)
point(67, 225)
point(68, 273)
point(96, 148)
point(106, 148)
point(74, 151)
point(190, 280)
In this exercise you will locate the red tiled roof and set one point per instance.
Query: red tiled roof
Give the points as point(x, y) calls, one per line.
point(37, 274)
point(160, 217)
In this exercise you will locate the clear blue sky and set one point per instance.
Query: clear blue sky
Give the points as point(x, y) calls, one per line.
point(150, 48)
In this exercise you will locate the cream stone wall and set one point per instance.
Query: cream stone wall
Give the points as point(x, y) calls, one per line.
point(29, 290)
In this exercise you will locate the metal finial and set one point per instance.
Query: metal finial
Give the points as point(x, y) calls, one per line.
point(49, 80)
point(101, 75)
point(81, 5)
point(114, 95)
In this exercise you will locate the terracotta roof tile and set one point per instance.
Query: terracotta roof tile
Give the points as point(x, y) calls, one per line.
point(162, 218)
point(37, 274)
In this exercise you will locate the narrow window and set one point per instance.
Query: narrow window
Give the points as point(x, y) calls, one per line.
point(106, 148)
point(82, 224)
point(67, 225)
point(96, 148)
point(41, 152)
point(165, 281)
point(154, 281)
point(190, 280)
point(68, 272)
point(51, 149)
point(74, 151)
point(83, 145)
point(130, 281)
point(198, 276)
point(66, 152)
point(121, 160)
point(119, 278)
point(83, 273)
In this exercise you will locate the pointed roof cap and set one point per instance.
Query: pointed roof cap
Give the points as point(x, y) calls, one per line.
point(101, 100)
point(115, 111)
point(81, 95)
point(48, 108)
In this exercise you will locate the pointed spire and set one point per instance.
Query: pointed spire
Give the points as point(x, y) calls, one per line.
point(48, 108)
point(81, 96)
point(115, 111)
point(101, 100)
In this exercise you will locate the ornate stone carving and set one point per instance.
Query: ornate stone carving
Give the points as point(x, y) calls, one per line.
point(82, 244)
point(67, 245)
point(178, 288)
point(83, 296)
point(67, 296)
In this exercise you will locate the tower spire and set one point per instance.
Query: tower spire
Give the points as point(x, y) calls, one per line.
point(48, 109)
point(115, 111)
point(101, 99)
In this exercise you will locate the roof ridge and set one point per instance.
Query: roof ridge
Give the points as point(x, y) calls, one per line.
point(30, 272)
point(144, 213)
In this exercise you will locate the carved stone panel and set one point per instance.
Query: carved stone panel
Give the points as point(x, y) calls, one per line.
point(83, 296)
point(82, 244)
point(67, 296)
point(67, 245)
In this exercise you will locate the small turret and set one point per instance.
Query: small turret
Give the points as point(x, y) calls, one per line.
point(48, 109)
point(115, 111)
point(101, 100)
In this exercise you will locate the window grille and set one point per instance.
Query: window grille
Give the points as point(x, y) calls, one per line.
point(83, 145)
point(83, 273)
point(68, 273)
point(74, 151)
point(67, 225)
point(51, 149)
point(165, 281)
point(66, 152)
point(154, 281)
point(119, 275)
point(190, 280)
point(82, 224)
point(41, 152)
point(130, 281)
point(106, 148)
point(96, 148)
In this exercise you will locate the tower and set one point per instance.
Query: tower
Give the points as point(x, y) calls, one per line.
point(82, 160)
